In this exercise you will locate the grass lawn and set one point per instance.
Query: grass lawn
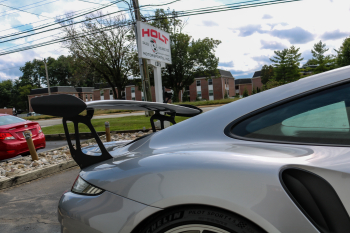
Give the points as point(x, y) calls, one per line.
point(119, 123)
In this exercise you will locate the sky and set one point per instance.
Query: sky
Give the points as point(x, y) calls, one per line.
point(249, 36)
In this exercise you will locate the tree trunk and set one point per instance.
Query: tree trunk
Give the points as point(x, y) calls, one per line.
point(176, 95)
point(119, 93)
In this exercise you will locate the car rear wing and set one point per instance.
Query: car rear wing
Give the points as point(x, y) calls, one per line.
point(69, 107)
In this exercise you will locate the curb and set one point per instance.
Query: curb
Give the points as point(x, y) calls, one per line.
point(62, 136)
point(33, 175)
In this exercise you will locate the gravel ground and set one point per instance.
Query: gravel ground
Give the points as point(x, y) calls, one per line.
point(21, 165)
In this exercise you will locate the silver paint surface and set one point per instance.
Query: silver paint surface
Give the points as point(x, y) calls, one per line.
point(194, 162)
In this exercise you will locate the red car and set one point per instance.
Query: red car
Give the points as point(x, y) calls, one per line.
point(12, 141)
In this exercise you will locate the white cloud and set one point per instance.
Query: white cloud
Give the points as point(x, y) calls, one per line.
point(248, 36)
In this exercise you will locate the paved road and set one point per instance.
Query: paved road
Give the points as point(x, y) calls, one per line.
point(45, 123)
point(32, 207)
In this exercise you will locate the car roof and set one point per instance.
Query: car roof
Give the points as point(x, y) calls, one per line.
point(210, 125)
point(1, 114)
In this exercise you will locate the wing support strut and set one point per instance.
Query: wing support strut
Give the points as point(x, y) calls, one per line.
point(162, 118)
point(82, 159)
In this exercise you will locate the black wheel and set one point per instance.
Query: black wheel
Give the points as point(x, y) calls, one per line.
point(197, 220)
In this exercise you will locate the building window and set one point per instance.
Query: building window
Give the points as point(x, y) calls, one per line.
point(110, 92)
point(199, 94)
point(133, 90)
point(211, 93)
point(133, 98)
point(86, 98)
point(101, 93)
point(210, 82)
point(90, 97)
point(198, 82)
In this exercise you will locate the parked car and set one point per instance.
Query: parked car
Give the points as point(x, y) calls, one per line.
point(30, 114)
point(276, 161)
point(12, 141)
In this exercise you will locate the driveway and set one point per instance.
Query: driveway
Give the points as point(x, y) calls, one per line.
point(32, 207)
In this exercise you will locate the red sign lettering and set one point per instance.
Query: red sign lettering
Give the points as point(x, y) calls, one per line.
point(155, 34)
point(145, 32)
point(159, 37)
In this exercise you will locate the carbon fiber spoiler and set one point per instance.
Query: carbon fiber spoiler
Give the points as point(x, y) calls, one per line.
point(69, 107)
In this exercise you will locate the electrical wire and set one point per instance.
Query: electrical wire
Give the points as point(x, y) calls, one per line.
point(24, 11)
point(24, 6)
point(75, 12)
point(51, 24)
point(181, 14)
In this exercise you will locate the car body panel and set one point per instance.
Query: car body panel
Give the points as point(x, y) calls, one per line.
point(93, 214)
point(195, 162)
point(193, 175)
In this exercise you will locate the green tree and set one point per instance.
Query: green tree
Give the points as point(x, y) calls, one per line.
point(6, 88)
point(286, 67)
point(33, 73)
point(108, 52)
point(245, 92)
point(190, 58)
point(319, 58)
point(343, 53)
point(267, 73)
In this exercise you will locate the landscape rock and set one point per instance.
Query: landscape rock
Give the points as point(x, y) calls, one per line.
point(59, 155)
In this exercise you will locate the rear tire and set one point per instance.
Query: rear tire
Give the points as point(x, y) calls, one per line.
point(192, 219)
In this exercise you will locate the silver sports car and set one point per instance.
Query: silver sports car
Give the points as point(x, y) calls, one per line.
point(277, 161)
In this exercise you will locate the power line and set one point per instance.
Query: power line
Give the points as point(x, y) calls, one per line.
point(183, 14)
point(86, 9)
point(24, 11)
point(25, 6)
point(51, 24)
point(11, 68)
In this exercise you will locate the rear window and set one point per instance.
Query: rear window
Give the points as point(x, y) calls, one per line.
point(7, 120)
point(320, 118)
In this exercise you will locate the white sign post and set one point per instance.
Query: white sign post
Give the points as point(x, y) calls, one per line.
point(154, 44)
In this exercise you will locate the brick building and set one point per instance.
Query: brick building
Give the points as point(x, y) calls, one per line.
point(256, 80)
point(131, 92)
point(248, 83)
point(84, 93)
point(6, 111)
point(212, 88)
point(201, 88)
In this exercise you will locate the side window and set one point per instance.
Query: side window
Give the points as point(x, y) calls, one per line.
point(198, 82)
point(320, 118)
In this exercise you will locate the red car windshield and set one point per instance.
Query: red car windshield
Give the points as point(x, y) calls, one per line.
point(7, 120)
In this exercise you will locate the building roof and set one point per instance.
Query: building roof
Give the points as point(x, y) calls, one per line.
point(84, 89)
point(131, 82)
point(257, 74)
point(243, 81)
point(225, 73)
point(69, 89)
point(53, 89)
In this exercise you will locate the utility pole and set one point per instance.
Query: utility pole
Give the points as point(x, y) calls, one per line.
point(144, 70)
point(47, 78)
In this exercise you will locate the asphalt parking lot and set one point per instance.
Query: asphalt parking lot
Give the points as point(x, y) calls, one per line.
point(32, 207)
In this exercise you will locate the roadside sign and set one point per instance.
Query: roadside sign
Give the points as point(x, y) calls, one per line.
point(153, 43)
